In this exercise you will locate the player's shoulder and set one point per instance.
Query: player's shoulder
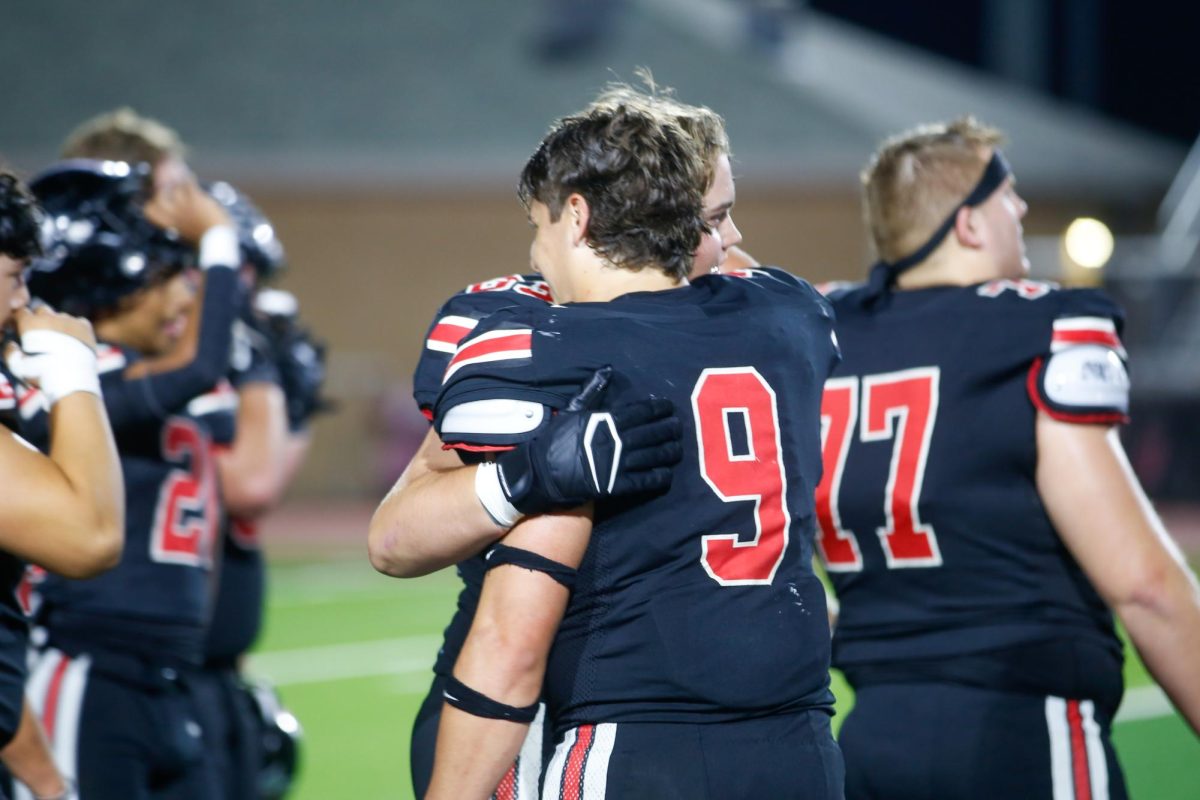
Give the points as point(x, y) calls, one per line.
point(1047, 297)
point(779, 285)
point(459, 315)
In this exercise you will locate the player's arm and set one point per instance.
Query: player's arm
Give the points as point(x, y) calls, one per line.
point(504, 657)
point(64, 512)
point(159, 387)
point(27, 756)
point(1104, 518)
point(432, 517)
point(440, 512)
point(254, 469)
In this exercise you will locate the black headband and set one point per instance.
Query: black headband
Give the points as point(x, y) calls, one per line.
point(884, 273)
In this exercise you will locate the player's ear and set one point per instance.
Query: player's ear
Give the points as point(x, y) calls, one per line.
point(968, 227)
point(576, 207)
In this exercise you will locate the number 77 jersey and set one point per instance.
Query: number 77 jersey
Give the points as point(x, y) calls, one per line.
point(930, 523)
point(698, 604)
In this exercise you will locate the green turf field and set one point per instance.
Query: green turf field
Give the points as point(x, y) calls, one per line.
point(351, 652)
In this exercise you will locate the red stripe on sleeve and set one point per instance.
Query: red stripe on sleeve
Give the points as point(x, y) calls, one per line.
point(517, 342)
point(449, 333)
point(1087, 336)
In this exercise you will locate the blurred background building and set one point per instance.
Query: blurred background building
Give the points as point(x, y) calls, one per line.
point(384, 139)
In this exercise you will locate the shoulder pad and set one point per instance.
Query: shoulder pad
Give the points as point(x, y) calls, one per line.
point(458, 317)
point(511, 343)
point(1084, 383)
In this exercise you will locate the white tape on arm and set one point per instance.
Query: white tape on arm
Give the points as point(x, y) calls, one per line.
point(491, 494)
point(219, 248)
point(59, 363)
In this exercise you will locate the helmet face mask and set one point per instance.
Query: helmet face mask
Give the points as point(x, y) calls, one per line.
point(98, 247)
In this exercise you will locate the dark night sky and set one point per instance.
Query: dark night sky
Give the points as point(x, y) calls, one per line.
point(1148, 50)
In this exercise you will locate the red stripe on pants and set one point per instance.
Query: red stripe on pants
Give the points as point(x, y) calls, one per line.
point(1079, 756)
point(50, 712)
point(577, 762)
point(507, 790)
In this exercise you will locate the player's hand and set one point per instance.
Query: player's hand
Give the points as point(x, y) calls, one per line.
point(57, 353)
point(181, 205)
point(44, 318)
point(588, 454)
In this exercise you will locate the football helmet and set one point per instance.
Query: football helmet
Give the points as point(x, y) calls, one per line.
point(280, 742)
point(256, 236)
point(97, 245)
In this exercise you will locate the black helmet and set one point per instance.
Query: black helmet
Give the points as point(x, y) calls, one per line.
point(98, 246)
point(256, 236)
point(280, 742)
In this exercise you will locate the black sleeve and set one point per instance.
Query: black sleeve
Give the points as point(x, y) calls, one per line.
point(130, 402)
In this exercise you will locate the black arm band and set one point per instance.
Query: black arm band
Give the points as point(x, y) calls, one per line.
point(464, 698)
point(503, 554)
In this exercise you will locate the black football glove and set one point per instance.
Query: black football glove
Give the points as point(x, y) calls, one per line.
point(585, 454)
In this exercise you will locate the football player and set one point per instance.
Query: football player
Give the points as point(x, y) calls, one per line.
point(407, 534)
point(260, 427)
point(690, 647)
point(978, 517)
point(64, 511)
point(110, 679)
point(258, 418)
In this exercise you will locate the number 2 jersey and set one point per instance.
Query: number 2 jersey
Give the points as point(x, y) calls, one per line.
point(698, 604)
point(945, 562)
point(156, 602)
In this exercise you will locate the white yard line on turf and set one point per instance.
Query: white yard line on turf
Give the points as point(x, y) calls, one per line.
point(336, 662)
point(1144, 702)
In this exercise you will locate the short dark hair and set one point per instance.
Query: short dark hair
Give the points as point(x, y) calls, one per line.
point(20, 220)
point(644, 180)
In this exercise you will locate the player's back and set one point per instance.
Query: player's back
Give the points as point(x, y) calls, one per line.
point(699, 604)
point(932, 528)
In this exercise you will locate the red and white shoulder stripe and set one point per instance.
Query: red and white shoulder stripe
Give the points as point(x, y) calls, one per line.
point(448, 332)
point(512, 344)
point(1072, 331)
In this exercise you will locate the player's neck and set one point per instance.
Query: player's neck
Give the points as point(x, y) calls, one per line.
point(950, 268)
point(601, 283)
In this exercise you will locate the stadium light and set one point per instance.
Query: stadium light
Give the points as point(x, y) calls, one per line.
point(1088, 242)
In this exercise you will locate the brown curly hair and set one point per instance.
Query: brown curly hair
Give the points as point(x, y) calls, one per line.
point(642, 176)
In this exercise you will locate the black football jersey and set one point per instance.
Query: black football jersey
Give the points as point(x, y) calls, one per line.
point(699, 604)
point(931, 527)
point(156, 600)
point(241, 586)
point(457, 317)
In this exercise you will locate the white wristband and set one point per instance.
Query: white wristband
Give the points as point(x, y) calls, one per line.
point(491, 495)
point(59, 363)
point(219, 248)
